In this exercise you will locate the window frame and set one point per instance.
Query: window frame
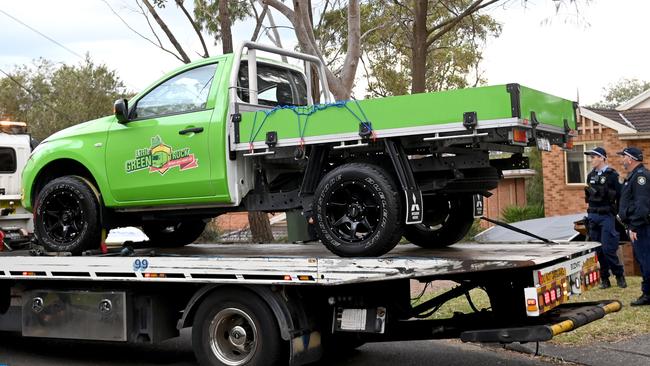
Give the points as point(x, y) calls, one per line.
point(13, 154)
point(133, 107)
point(584, 159)
point(284, 68)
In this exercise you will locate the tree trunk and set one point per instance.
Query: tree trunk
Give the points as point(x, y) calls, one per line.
point(224, 26)
point(260, 227)
point(419, 59)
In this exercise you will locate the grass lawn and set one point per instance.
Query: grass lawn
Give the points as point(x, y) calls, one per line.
point(628, 322)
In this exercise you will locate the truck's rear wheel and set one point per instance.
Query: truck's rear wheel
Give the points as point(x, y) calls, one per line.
point(358, 211)
point(445, 222)
point(173, 234)
point(67, 215)
point(236, 328)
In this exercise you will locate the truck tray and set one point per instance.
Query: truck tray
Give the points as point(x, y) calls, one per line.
point(418, 114)
point(287, 263)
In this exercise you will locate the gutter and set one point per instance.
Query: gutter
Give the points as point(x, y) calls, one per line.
point(634, 136)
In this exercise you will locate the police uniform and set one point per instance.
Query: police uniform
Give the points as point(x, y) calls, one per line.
point(602, 194)
point(634, 209)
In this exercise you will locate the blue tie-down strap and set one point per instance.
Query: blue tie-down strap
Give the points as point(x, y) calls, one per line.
point(304, 112)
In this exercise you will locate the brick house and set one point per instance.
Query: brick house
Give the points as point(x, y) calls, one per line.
point(564, 172)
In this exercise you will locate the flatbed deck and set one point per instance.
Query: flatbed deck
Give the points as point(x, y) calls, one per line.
point(287, 263)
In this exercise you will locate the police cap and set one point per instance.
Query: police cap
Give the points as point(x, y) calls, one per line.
point(598, 151)
point(633, 152)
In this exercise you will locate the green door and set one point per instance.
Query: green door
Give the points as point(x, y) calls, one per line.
point(161, 155)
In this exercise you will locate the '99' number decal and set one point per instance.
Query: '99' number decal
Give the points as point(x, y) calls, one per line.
point(140, 264)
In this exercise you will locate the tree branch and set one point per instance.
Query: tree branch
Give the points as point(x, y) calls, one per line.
point(159, 44)
point(285, 10)
point(449, 24)
point(165, 28)
point(259, 19)
point(179, 3)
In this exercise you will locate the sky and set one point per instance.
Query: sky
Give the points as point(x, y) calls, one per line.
point(563, 54)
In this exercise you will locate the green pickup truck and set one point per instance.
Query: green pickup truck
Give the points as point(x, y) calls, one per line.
point(242, 133)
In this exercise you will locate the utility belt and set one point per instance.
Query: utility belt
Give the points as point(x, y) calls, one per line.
point(600, 210)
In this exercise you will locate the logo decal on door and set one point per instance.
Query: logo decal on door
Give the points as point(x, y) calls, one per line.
point(160, 157)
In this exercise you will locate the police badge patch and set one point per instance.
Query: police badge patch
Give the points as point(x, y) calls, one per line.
point(602, 180)
point(641, 180)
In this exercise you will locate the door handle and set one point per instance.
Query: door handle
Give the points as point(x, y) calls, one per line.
point(190, 130)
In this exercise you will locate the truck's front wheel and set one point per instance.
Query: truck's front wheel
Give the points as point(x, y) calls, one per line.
point(67, 215)
point(446, 221)
point(358, 211)
point(236, 328)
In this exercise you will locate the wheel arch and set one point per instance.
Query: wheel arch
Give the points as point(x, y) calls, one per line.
point(58, 168)
point(273, 299)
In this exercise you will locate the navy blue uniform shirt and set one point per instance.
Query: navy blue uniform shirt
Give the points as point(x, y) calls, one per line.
point(603, 189)
point(634, 206)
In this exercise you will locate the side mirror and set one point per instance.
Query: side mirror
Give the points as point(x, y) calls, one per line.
point(121, 110)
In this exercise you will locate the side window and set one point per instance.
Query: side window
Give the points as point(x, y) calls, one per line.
point(186, 92)
point(7, 160)
point(276, 85)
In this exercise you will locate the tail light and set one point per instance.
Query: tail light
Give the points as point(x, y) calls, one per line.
point(519, 135)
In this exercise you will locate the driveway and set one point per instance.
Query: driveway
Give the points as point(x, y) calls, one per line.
point(16, 351)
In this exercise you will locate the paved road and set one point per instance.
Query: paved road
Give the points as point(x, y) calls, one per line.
point(16, 351)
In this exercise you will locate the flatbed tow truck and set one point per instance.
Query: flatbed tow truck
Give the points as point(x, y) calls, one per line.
point(238, 133)
point(278, 304)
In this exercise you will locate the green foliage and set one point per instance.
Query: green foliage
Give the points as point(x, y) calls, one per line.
point(517, 213)
point(621, 91)
point(206, 14)
point(59, 95)
point(387, 50)
point(535, 184)
point(211, 234)
point(473, 231)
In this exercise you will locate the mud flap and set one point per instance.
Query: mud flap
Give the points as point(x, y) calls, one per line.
point(305, 347)
point(479, 207)
point(414, 203)
point(413, 206)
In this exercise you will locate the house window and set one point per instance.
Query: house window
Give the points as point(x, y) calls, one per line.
point(577, 163)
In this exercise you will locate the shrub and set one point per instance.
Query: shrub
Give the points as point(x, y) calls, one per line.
point(517, 213)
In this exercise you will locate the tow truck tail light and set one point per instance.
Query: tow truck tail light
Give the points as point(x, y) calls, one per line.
point(531, 304)
point(553, 297)
point(569, 144)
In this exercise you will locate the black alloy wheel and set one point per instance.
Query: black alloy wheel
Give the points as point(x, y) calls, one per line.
point(67, 215)
point(358, 211)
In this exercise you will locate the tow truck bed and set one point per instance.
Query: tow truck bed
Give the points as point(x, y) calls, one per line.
point(288, 263)
point(312, 296)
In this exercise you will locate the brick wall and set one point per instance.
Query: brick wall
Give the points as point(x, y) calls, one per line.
point(563, 199)
point(510, 192)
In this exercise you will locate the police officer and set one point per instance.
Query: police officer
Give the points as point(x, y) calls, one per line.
point(602, 194)
point(634, 209)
